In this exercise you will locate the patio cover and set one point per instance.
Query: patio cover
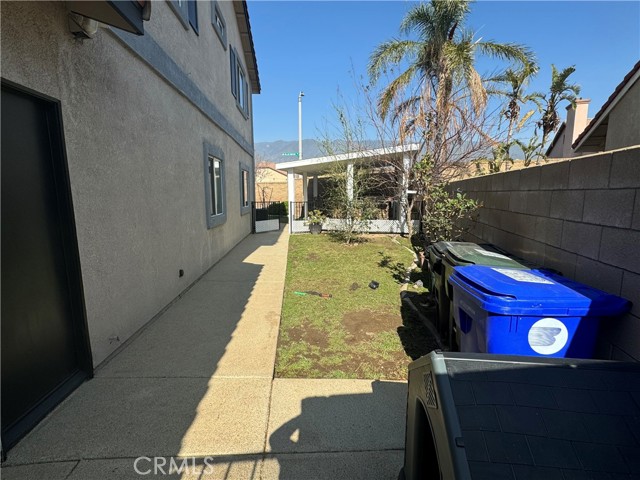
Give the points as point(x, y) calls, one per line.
point(320, 165)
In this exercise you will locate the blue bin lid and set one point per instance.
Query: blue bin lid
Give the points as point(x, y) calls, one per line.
point(532, 292)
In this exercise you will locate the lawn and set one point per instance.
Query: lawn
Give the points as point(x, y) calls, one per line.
point(357, 332)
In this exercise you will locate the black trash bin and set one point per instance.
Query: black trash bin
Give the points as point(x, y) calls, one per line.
point(443, 257)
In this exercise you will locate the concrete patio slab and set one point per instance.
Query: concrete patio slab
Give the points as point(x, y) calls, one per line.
point(39, 471)
point(380, 465)
point(194, 336)
point(109, 418)
point(336, 415)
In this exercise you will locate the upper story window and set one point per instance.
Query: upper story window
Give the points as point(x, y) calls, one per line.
point(219, 25)
point(180, 8)
point(239, 85)
point(193, 14)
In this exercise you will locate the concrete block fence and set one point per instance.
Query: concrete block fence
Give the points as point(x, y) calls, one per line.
point(580, 216)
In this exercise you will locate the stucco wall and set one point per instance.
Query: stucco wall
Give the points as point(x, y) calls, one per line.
point(134, 145)
point(578, 216)
point(624, 120)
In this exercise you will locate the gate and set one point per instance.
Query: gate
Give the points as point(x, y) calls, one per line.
point(268, 216)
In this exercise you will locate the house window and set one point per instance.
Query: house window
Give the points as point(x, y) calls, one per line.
point(214, 186)
point(193, 14)
point(219, 25)
point(242, 98)
point(234, 72)
point(239, 85)
point(245, 190)
point(181, 10)
point(215, 177)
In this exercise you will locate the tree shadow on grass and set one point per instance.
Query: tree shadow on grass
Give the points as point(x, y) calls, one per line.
point(398, 270)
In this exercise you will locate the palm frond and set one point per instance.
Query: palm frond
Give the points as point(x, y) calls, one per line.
point(390, 53)
point(506, 51)
point(393, 89)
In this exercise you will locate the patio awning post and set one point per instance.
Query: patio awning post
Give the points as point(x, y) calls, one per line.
point(291, 195)
point(315, 187)
point(305, 193)
point(350, 180)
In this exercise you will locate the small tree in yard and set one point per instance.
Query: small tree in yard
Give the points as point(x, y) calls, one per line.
point(263, 191)
point(346, 201)
point(445, 214)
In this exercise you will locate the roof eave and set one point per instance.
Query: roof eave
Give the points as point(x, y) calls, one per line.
point(619, 92)
point(248, 48)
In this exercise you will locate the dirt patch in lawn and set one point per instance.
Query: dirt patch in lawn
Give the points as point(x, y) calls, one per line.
point(313, 257)
point(309, 334)
point(361, 365)
point(363, 325)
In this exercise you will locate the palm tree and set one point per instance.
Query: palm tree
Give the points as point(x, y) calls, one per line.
point(441, 60)
point(559, 91)
point(530, 150)
point(516, 81)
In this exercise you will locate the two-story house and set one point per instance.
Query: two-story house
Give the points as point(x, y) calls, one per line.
point(127, 165)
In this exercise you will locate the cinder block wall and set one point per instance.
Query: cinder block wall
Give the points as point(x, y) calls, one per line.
point(579, 216)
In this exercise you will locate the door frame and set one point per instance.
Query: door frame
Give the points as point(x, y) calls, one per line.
point(53, 113)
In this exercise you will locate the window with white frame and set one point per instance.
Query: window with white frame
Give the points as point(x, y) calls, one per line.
point(219, 25)
point(245, 190)
point(215, 177)
point(192, 6)
point(214, 186)
point(181, 9)
point(233, 65)
point(239, 85)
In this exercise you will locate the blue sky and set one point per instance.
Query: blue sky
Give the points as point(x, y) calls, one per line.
point(315, 47)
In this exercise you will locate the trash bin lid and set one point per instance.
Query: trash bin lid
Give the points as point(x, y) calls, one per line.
point(437, 250)
point(440, 248)
point(474, 254)
point(531, 292)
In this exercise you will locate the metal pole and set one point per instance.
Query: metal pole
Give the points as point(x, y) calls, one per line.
point(300, 95)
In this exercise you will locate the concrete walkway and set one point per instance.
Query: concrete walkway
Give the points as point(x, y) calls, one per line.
point(196, 389)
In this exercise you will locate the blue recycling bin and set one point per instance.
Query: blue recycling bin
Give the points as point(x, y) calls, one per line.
point(528, 312)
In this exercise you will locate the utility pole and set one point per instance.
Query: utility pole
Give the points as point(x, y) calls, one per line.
point(300, 95)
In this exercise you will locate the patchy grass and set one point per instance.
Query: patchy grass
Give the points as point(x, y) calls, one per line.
point(354, 334)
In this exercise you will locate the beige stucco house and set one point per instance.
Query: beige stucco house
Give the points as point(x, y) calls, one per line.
point(614, 126)
point(127, 172)
point(271, 184)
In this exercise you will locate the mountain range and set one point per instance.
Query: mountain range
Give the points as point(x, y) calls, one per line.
point(274, 151)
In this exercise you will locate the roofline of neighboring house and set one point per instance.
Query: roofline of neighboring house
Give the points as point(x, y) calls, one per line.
point(628, 81)
point(242, 18)
point(555, 139)
point(272, 168)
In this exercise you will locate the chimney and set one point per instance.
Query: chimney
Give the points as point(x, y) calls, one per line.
point(576, 122)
